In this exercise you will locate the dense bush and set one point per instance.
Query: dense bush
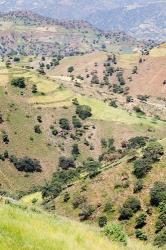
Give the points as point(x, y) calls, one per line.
point(5, 137)
point(76, 122)
point(86, 213)
point(59, 182)
point(54, 131)
point(75, 150)
point(115, 233)
point(102, 221)
point(66, 197)
point(161, 222)
point(154, 151)
point(95, 79)
point(26, 164)
point(1, 119)
point(141, 167)
point(141, 221)
point(118, 89)
point(109, 208)
point(143, 98)
point(138, 186)
point(125, 213)
point(108, 144)
point(83, 111)
point(18, 82)
point(130, 206)
point(78, 201)
point(34, 89)
point(70, 69)
point(64, 123)
point(129, 99)
point(52, 190)
point(138, 110)
point(37, 129)
point(140, 235)
point(92, 166)
point(66, 163)
point(160, 239)
point(136, 142)
point(39, 118)
point(158, 193)
point(121, 78)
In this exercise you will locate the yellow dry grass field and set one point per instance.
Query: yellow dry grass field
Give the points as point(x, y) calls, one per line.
point(80, 63)
point(159, 52)
point(58, 97)
point(127, 61)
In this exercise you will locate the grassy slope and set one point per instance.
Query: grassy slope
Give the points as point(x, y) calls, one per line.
point(26, 230)
point(108, 121)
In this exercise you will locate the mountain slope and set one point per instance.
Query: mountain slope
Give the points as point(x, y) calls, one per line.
point(144, 19)
point(27, 33)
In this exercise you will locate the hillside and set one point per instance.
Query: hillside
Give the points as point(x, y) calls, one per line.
point(82, 125)
point(24, 229)
point(27, 33)
point(142, 19)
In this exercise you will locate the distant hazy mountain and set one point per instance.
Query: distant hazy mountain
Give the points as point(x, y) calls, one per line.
point(142, 18)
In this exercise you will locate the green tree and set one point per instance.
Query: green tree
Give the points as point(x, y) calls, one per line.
point(158, 193)
point(154, 151)
point(83, 111)
point(64, 123)
point(70, 69)
point(141, 221)
point(18, 82)
point(75, 150)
